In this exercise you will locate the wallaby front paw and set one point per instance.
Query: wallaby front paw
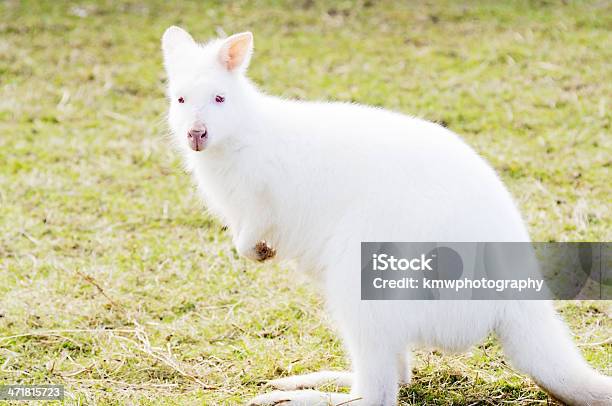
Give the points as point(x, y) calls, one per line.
point(263, 251)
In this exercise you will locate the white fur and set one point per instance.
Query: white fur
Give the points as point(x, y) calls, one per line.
point(315, 179)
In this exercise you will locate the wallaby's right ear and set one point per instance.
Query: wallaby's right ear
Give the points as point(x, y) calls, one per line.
point(175, 38)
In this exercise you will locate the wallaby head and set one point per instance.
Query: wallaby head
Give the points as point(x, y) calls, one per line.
point(207, 88)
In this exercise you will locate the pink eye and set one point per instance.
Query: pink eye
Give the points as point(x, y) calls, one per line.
point(219, 99)
point(181, 100)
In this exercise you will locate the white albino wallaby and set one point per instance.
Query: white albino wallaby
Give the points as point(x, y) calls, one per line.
point(309, 181)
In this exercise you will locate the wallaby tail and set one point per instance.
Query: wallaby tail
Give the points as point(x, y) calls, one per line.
point(538, 343)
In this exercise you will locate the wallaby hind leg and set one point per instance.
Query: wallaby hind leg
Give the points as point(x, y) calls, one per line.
point(304, 398)
point(313, 380)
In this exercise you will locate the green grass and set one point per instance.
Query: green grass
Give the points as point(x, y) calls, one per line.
point(113, 280)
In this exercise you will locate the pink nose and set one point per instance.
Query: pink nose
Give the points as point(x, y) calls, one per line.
point(197, 137)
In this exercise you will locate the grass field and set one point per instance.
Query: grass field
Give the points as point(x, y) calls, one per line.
point(114, 281)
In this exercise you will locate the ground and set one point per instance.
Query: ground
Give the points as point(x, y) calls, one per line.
point(116, 283)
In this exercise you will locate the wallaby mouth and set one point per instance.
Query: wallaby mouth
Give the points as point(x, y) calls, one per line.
point(197, 138)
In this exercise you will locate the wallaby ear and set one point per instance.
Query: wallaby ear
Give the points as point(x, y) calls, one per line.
point(236, 51)
point(173, 38)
